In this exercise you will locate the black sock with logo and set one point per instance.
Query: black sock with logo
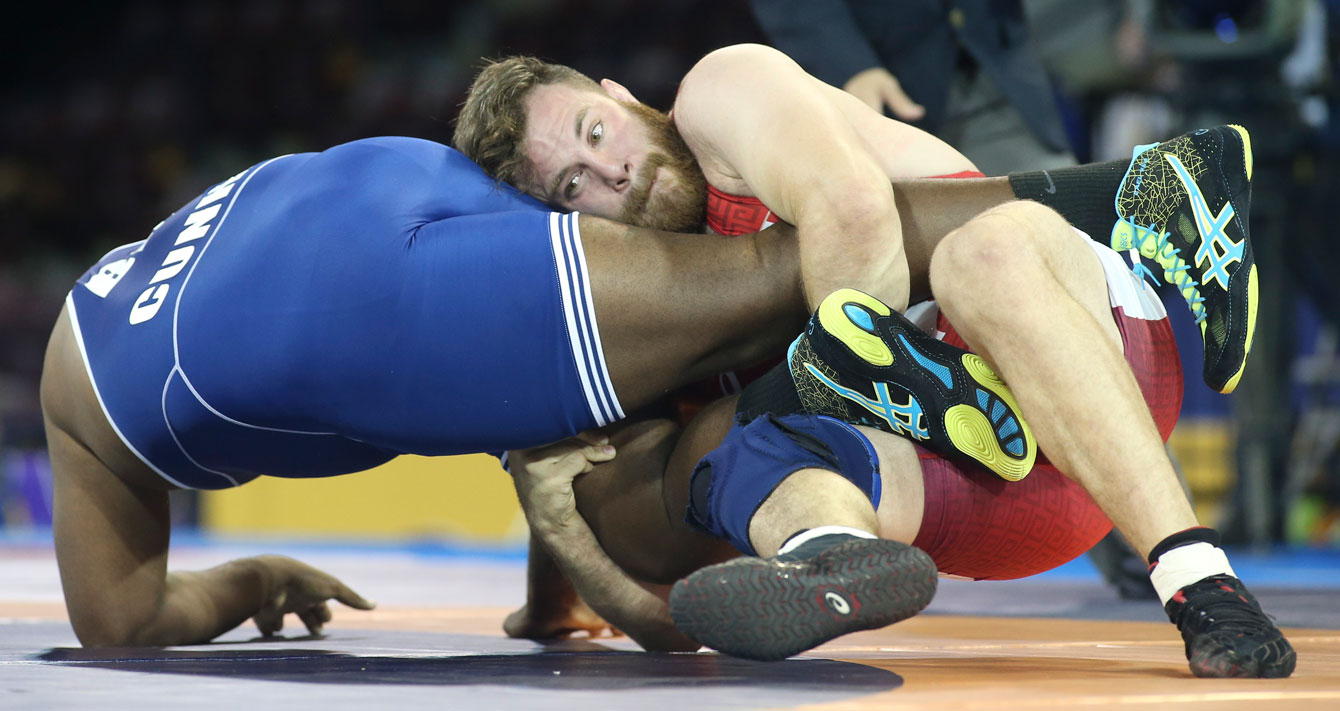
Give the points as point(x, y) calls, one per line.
point(1085, 195)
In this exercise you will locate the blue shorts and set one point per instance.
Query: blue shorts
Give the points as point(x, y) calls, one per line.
point(321, 313)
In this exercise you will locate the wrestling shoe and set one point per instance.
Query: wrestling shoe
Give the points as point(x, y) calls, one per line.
point(1226, 633)
point(1184, 204)
point(863, 363)
point(774, 608)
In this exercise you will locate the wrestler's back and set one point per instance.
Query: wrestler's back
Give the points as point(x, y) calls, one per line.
point(311, 281)
point(320, 313)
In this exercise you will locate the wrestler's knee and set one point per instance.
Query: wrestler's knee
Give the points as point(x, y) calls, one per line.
point(990, 262)
point(731, 483)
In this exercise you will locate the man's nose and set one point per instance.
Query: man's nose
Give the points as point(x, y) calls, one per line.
point(618, 174)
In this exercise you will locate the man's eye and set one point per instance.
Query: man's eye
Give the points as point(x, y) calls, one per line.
point(573, 183)
point(597, 131)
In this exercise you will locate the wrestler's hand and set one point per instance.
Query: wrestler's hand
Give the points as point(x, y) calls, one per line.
point(294, 586)
point(543, 477)
point(556, 621)
point(877, 88)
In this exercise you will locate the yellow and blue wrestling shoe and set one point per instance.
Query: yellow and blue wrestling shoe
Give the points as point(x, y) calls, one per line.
point(1184, 204)
point(863, 363)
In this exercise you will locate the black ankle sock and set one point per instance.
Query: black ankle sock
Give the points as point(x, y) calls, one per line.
point(775, 392)
point(1199, 534)
point(1085, 195)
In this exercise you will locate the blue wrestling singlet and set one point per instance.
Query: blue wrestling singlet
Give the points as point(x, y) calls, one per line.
point(321, 313)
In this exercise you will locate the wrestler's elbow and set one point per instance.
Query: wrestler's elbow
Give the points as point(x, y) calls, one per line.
point(853, 213)
point(737, 57)
point(107, 632)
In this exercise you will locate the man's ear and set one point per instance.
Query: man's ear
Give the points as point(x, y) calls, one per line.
point(617, 91)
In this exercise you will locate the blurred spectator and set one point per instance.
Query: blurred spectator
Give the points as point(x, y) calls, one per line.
point(1269, 65)
point(963, 70)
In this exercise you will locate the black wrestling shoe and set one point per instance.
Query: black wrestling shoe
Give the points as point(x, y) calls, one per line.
point(774, 608)
point(1184, 204)
point(1226, 633)
point(863, 363)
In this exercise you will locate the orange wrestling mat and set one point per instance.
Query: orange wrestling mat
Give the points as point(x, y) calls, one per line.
point(414, 653)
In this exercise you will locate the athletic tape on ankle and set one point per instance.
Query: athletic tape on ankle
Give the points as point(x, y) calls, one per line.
point(730, 484)
point(1195, 534)
point(1183, 566)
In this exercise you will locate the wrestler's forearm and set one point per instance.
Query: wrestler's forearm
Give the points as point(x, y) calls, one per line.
point(198, 606)
point(853, 241)
point(610, 592)
point(547, 588)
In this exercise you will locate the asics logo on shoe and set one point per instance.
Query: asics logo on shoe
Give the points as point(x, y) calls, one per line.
point(838, 603)
point(1215, 247)
point(903, 418)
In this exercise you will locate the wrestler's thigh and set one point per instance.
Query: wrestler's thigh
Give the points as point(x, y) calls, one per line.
point(677, 308)
point(902, 495)
point(1031, 231)
point(623, 502)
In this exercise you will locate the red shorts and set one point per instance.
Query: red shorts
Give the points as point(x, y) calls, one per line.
point(977, 525)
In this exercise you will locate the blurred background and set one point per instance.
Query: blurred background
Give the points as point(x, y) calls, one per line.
point(112, 114)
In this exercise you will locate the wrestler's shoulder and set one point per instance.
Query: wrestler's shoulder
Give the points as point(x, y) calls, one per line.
point(728, 70)
point(428, 179)
point(744, 58)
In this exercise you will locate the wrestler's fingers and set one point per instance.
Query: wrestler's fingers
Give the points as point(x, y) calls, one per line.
point(598, 453)
point(900, 103)
point(269, 621)
point(315, 617)
point(349, 598)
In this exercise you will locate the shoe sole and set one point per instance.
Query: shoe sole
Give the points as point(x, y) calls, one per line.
point(1252, 289)
point(761, 609)
point(974, 435)
point(1252, 292)
point(969, 429)
point(834, 318)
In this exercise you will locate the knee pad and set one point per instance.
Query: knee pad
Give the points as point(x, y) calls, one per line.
point(731, 482)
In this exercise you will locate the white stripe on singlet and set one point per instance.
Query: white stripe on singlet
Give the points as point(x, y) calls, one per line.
point(580, 316)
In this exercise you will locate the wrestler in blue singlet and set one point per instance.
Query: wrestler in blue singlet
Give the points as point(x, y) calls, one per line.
point(321, 313)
